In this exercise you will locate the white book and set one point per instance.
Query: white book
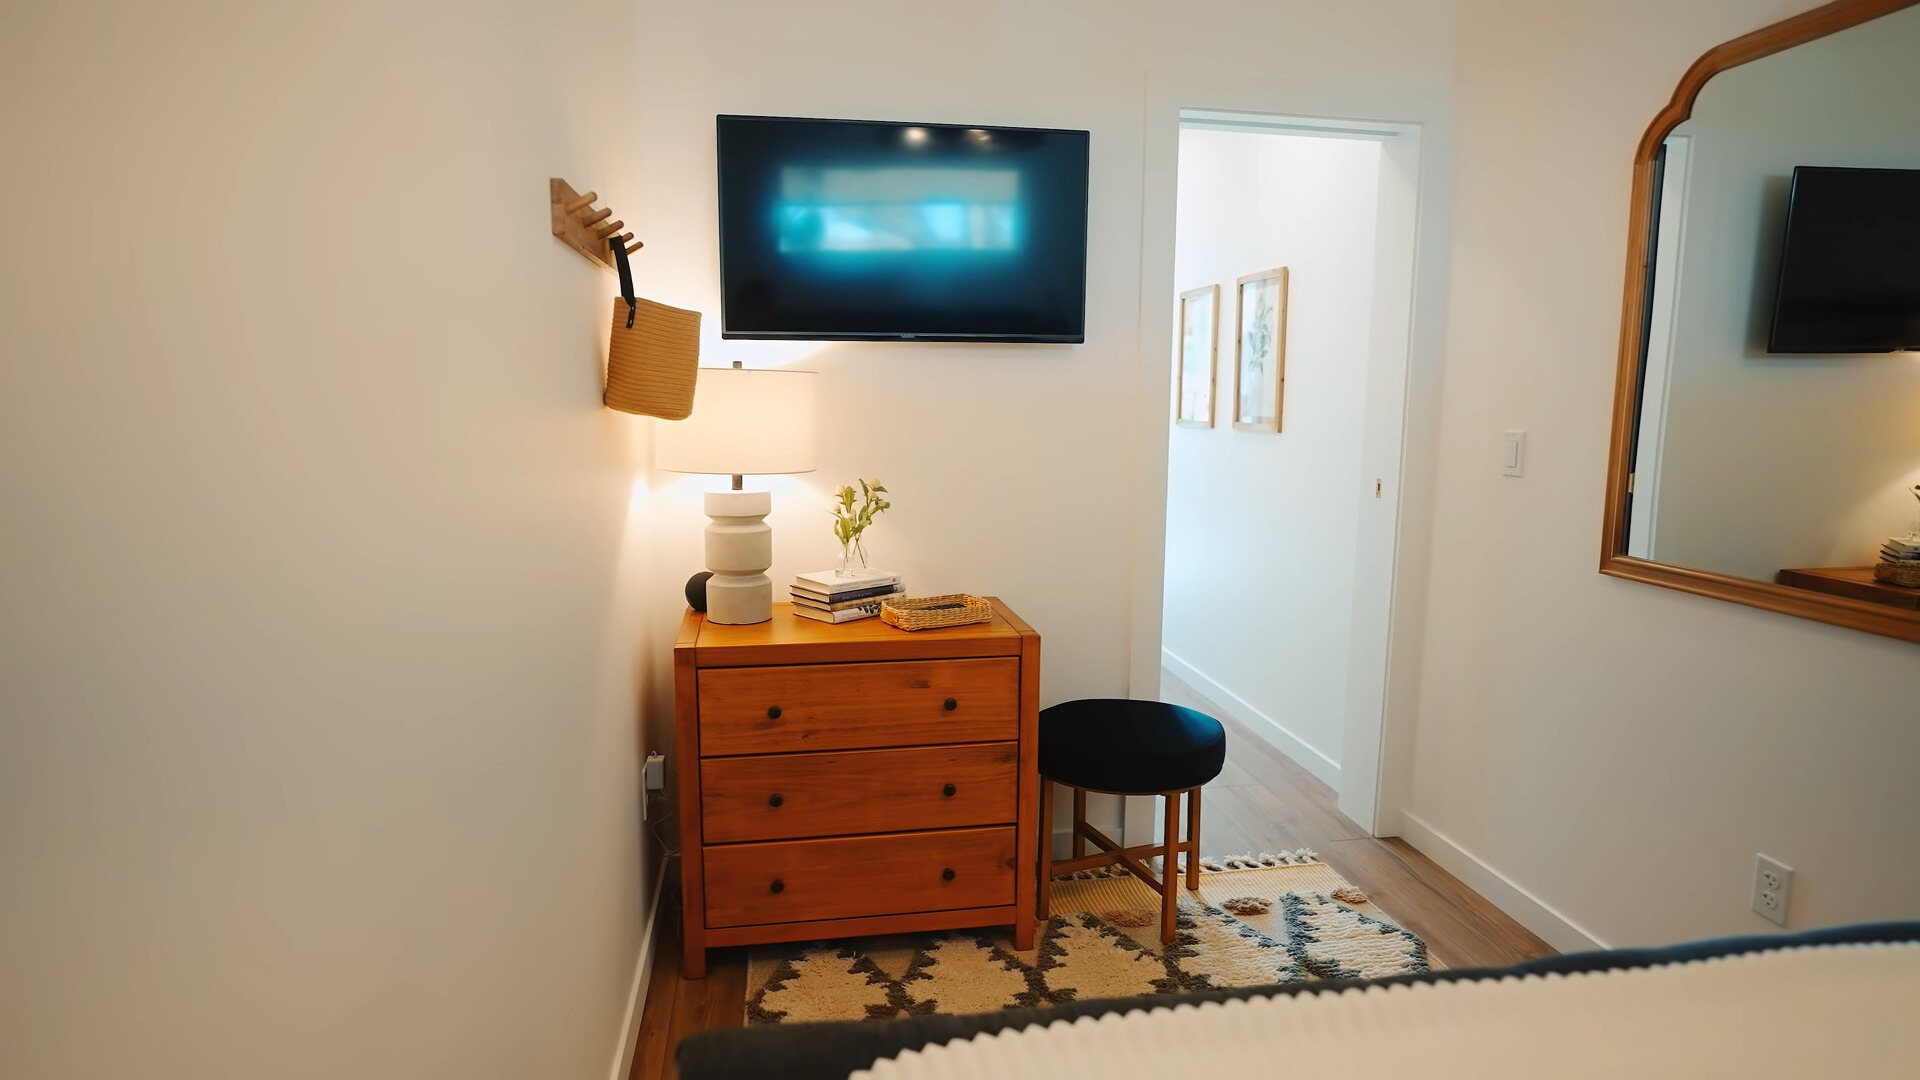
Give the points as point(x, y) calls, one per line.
point(831, 581)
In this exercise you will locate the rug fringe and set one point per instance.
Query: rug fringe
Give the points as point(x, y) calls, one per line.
point(1211, 865)
point(1296, 857)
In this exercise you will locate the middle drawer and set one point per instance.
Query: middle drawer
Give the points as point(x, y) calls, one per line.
point(784, 796)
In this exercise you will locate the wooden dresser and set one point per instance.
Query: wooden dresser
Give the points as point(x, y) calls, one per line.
point(854, 779)
point(1855, 582)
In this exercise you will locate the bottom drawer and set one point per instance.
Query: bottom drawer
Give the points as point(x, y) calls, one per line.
point(849, 877)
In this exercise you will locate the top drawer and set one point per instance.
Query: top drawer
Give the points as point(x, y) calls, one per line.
point(764, 710)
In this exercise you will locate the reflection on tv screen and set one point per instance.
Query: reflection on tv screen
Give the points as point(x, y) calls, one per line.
point(898, 209)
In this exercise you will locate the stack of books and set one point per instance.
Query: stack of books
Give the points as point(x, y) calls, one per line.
point(829, 596)
point(1899, 561)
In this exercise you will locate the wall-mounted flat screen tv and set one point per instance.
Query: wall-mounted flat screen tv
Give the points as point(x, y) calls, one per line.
point(851, 230)
point(1850, 266)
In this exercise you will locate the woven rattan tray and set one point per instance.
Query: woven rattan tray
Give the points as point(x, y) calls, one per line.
point(931, 612)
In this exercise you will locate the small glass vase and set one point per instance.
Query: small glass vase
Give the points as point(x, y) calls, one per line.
point(853, 559)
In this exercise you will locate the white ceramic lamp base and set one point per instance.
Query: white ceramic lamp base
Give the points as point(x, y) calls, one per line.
point(739, 551)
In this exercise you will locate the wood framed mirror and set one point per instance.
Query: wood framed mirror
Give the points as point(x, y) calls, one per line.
point(1766, 422)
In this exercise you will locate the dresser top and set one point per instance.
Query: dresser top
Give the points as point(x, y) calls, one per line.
point(789, 639)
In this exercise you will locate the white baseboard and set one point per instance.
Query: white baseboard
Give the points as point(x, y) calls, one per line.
point(1273, 731)
point(1097, 816)
point(1063, 843)
point(1499, 890)
point(642, 977)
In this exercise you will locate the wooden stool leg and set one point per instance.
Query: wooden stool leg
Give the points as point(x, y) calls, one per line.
point(1044, 909)
point(1169, 868)
point(1193, 838)
point(1079, 819)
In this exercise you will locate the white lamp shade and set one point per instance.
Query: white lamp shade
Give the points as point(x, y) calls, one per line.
point(744, 420)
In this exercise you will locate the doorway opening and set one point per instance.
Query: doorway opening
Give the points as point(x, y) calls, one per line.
point(1285, 439)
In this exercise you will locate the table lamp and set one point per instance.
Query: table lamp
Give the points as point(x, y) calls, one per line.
point(744, 421)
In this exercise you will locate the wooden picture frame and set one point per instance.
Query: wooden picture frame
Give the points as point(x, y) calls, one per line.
point(1260, 350)
point(1786, 599)
point(1197, 410)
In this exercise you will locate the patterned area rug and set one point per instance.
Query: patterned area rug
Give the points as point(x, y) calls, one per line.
point(1253, 922)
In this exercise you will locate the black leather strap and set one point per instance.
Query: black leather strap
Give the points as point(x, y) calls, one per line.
point(626, 277)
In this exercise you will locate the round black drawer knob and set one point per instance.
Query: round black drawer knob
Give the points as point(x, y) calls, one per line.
point(947, 874)
point(951, 705)
point(778, 885)
point(948, 790)
point(773, 713)
point(774, 800)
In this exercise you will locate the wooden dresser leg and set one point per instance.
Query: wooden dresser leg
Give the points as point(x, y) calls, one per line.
point(1193, 839)
point(693, 959)
point(1170, 868)
point(1045, 885)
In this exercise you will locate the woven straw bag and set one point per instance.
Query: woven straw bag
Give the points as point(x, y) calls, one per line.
point(654, 353)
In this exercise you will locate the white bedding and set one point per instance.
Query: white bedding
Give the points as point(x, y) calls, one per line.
point(1836, 1010)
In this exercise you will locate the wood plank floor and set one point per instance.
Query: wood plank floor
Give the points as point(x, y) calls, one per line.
point(1262, 801)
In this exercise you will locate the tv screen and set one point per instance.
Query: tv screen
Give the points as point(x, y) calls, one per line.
point(1850, 266)
point(842, 229)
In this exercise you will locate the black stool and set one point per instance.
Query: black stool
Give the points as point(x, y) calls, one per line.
point(1123, 747)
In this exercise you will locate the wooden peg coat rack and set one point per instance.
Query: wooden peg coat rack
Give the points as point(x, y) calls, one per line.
point(585, 229)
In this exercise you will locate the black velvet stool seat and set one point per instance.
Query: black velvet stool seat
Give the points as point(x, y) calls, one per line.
point(1123, 747)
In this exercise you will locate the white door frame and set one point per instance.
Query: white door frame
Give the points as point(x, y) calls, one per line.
point(1663, 315)
point(1402, 405)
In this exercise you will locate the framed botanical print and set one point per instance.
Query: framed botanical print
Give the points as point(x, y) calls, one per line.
point(1260, 350)
point(1194, 366)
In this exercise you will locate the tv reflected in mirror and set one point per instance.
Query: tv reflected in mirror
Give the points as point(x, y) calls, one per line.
point(1850, 266)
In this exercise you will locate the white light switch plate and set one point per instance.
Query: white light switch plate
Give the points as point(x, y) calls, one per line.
point(1513, 460)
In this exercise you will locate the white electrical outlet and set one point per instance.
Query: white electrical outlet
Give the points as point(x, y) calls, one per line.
point(1772, 888)
point(653, 780)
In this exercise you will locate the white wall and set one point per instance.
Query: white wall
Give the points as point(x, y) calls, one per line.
point(1261, 528)
point(1040, 504)
point(317, 637)
point(1616, 750)
point(1778, 461)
